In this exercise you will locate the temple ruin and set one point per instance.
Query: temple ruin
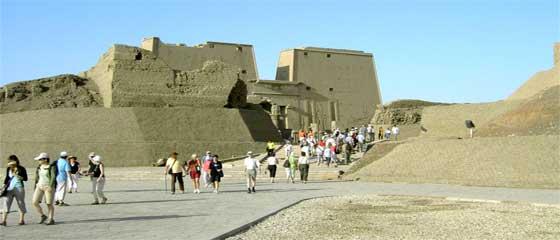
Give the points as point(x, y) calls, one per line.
point(139, 103)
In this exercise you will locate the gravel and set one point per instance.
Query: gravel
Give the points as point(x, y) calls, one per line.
point(406, 217)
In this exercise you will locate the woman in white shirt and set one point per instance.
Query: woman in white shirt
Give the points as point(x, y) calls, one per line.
point(303, 163)
point(272, 162)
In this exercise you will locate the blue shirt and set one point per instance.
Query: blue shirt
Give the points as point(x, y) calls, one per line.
point(63, 167)
point(15, 182)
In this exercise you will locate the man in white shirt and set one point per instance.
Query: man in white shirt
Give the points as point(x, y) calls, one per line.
point(361, 141)
point(251, 166)
point(395, 131)
point(370, 133)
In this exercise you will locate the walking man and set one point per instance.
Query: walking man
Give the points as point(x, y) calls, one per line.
point(251, 166)
point(396, 132)
point(175, 168)
point(63, 179)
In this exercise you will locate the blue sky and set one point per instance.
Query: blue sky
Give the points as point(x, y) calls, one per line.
point(449, 51)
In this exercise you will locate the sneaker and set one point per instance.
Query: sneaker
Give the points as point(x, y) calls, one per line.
point(198, 191)
point(248, 190)
point(95, 203)
point(104, 200)
point(21, 223)
point(194, 191)
point(43, 219)
point(56, 203)
point(51, 222)
point(215, 191)
point(253, 189)
point(64, 204)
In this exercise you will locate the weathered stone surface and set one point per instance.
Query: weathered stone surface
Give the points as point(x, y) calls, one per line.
point(62, 91)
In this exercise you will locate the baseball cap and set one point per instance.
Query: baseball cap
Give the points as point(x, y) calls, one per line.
point(42, 156)
point(97, 158)
point(249, 153)
point(63, 154)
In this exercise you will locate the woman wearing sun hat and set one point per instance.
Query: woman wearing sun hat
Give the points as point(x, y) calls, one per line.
point(97, 180)
point(15, 176)
point(45, 184)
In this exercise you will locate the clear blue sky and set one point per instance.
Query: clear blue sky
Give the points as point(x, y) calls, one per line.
point(438, 50)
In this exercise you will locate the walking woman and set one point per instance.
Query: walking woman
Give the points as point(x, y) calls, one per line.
point(15, 176)
point(216, 173)
point(98, 180)
point(74, 173)
point(45, 183)
point(194, 172)
point(272, 162)
point(293, 165)
point(303, 163)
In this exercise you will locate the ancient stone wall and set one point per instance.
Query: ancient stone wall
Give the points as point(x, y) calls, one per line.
point(134, 136)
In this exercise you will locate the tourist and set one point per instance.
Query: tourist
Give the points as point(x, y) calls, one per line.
point(270, 146)
point(272, 162)
point(206, 161)
point(286, 166)
point(301, 135)
point(251, 166)
point(380, 133)
point(327, 154)
point(288, 149)
point(334, 157)
point(194, 169)
point(175, 168)
point(45, 183)
point(13, 181)
point(347, 151)
point(293, 160)
point(361, 142)
point(303, 164)
point(320, 149)
point(362, 130)
point(63, 179)
point(216, 173)
point(370, 133)
point(98, 180)
point(395, 130)
point(75, 173)
point(388, 134)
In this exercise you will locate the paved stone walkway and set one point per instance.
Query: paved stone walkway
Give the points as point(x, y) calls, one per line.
point(142, 210)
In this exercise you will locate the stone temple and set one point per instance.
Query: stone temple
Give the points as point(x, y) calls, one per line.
point(138, 104)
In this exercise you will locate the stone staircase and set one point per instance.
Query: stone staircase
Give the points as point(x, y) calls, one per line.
point(234, 170)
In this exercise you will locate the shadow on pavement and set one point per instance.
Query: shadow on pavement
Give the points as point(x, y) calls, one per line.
point(135, 218)
point(147, 201)
point(273, 190)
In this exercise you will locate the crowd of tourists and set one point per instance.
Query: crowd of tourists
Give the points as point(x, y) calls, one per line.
point(53, 180)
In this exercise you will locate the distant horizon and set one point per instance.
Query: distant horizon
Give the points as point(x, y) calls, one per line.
point(430, 50)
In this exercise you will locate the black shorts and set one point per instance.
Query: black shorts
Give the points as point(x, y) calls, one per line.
point(215, 178)
point(272, 170)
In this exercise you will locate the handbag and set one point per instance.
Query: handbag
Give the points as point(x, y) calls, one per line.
point(286, 164)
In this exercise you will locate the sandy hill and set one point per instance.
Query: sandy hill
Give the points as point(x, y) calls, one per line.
point(517, 142)
point(539, 115)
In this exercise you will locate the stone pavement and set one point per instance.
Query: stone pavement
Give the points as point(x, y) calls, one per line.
point(142, 210)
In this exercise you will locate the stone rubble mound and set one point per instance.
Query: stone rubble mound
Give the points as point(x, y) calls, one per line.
point(62, 91)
